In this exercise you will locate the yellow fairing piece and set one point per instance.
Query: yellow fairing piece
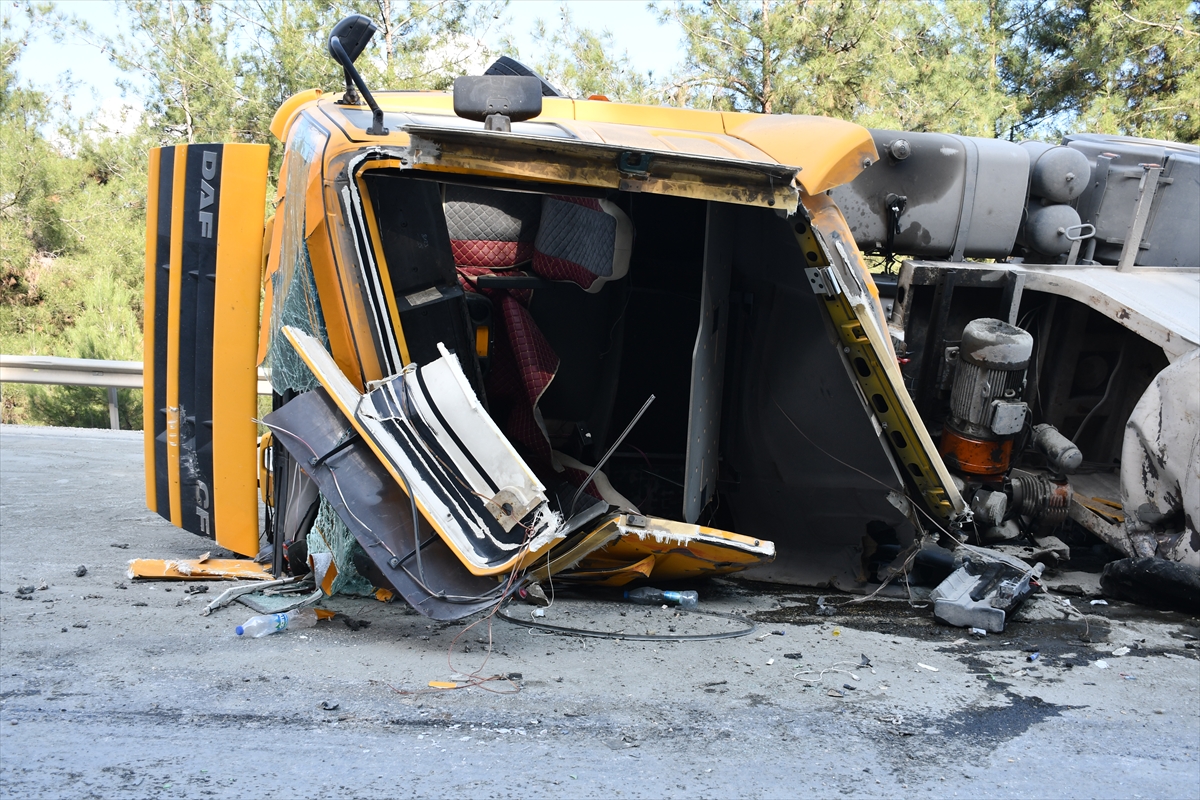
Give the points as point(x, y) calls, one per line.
point(235, 346)
point(681, 550)
point(281, 123)
point(596, 571)
point(148, 410)
point(174, 288)
point(210, 569)
point(204, 246)
point(830, 152)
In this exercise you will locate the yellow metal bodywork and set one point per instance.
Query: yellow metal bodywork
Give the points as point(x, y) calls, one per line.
point(857, 315)
point(235, 342)
point(224, 257)
point(346, 398)
point(828, 152)
point(281, 123)
point(175, 286)
point(597, 571)
point(199, 569)
point(148, 332)
point(680, 550)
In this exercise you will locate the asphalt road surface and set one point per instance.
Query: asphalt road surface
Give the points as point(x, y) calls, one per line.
point(116, 688)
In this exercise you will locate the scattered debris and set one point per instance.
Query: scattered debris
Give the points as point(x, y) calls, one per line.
point(329, 705)
point(1101, 664)
point(82, 624)
point(193, 590)
point(120, 546)
point(21, 590)
point(835, 693)
point(80, 571)
point(1099, 602)
point(793, 656)
point(1120, 651)
point(981, 592)
point(926, 666)
point(355, 624)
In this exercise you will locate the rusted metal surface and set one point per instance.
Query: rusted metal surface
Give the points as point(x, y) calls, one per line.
point(1160, 467)
point(975, 456)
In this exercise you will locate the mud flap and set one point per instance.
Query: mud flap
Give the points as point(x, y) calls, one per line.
point(204, 232)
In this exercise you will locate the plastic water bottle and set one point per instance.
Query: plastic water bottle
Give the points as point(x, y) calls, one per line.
point(266, 624)
point(649, 596)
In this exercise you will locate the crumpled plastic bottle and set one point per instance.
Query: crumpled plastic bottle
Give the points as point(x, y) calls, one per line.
point(266, 624)
point(649, 596)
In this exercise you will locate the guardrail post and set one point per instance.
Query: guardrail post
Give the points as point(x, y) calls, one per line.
point(114, 414)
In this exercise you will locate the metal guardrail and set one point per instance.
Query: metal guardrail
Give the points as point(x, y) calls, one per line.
point(113, 375)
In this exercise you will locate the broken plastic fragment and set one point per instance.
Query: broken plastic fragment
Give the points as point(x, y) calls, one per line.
point(926, 666)
point(1120, 651)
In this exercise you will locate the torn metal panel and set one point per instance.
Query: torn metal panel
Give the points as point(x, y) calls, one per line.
point(435, 439)
point(682, 550)
point(377, 512)
point(1160, 467)
point(708, 364)
point(571, 161)
point(1160, 305)
point(982, 592)
point(810, 466)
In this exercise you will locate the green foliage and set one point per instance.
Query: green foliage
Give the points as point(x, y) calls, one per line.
point(581, 62)
point(72, 197)
point(1129, 67)
point(919, 65)
point(71, 249)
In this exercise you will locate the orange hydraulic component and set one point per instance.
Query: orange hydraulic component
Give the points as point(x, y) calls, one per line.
point(974, 456)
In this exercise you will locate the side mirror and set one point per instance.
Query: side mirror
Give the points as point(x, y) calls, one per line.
point(354, 33)
point(497, 100)
point(347, 40)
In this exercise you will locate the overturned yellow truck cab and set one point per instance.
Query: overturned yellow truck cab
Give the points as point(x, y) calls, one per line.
point(532, 336)
point(512, 337)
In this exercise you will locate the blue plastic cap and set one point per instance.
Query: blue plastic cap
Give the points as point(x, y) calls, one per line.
point(239, 630)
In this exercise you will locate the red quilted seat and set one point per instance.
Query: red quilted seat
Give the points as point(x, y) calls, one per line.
point(491, 228)
point(584, 240)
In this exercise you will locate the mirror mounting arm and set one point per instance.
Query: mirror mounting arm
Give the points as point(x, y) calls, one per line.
point(353, 79)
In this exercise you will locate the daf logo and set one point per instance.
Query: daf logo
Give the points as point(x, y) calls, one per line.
point(208, 171)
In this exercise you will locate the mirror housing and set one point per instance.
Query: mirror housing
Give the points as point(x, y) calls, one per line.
point(354, 33)
point(497, 100)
